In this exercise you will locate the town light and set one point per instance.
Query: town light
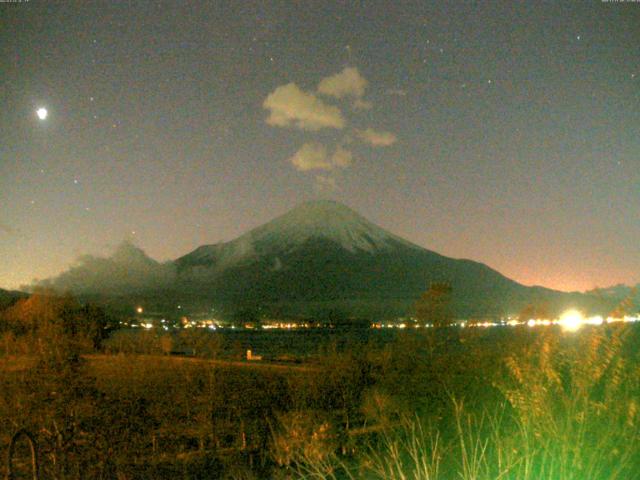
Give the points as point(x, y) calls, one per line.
point(571, 320)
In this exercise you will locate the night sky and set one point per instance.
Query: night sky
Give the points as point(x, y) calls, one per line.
point(504, 133)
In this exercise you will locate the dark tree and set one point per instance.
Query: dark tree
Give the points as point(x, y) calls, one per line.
point(434, 305)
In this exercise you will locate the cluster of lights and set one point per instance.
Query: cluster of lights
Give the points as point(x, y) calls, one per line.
point(481, 324)
point(210, 324)
point(401, 326)
point(284, 326)
point(572, 320)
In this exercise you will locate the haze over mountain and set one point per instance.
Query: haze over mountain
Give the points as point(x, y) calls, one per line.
point(128, 270)
point(320, 255)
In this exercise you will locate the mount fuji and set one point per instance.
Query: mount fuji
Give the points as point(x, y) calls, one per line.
point(321, 255)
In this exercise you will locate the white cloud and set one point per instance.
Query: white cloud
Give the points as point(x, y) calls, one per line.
point(290, 106)
point(314, 156)
point(347, 83)
point(311, 156)
point(377, 138)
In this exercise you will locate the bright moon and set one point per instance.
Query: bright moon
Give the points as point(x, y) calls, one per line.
point(42, 113)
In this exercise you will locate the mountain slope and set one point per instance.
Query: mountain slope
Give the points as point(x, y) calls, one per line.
point(320, 255)
point(324, 252)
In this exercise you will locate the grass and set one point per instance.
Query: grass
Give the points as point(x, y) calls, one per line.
point(569, 411)
point(520, 404)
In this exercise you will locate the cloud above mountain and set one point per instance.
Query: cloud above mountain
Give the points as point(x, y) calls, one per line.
point(376, 138)
point(311, 156)
point(290, 106)
point(347, 83)
point(314, 156)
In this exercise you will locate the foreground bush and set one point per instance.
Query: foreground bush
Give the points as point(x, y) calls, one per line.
point(569, 412)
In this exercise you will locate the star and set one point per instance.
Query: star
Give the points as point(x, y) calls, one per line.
point(42, 113)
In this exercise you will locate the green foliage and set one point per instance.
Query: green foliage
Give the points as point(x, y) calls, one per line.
point(569, 411)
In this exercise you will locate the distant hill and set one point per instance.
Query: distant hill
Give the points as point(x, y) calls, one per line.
point(128, 271)
point(320, 256)
point(625, 297)
point(9, 297)
point(619, 291)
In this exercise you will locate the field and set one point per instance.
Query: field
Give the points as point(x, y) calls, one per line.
point(523, 403)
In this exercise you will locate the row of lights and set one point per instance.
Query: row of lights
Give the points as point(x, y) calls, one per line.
point(570, 321)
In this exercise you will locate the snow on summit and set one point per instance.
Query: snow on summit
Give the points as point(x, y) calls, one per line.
point(322, 219)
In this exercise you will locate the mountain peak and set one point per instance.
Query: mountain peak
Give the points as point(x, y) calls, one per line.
point(127, 253)
point(322, 214)
point(322, 206)
point(325, 219)
point(313, 220)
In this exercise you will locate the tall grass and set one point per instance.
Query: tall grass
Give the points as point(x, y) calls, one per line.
point(569, 412)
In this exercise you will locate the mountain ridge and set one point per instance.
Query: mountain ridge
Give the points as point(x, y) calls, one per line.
point(320, 252)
